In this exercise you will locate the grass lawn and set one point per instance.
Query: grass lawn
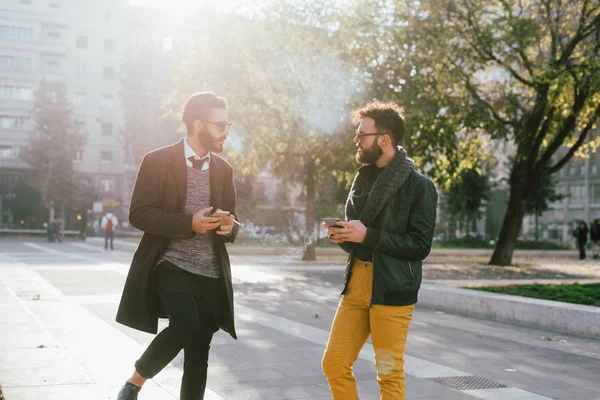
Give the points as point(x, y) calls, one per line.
point(588, 294)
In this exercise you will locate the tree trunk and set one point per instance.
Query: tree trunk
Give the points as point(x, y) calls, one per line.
point(513, 219)
point(310, 244)
point(536, 227)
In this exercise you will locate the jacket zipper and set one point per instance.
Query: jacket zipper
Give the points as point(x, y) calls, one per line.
point(373, 281)
point(411, 270)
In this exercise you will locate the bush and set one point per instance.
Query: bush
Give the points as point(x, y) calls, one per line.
point(478, 242)
point(541, 245)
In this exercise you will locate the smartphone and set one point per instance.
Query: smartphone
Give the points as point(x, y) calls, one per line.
point(220, 213)
point(332, 222)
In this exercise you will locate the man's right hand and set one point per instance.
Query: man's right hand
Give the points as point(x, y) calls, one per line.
point(331, 234)
point(202, 222)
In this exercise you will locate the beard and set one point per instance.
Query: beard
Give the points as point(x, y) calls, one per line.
point(370, 155)
point(208, 142)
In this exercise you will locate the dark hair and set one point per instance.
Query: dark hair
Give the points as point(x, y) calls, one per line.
point(197, 105)
point(388, 117)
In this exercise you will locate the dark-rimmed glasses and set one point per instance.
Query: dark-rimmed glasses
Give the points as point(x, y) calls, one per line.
point(223, 125)
point(359, 135)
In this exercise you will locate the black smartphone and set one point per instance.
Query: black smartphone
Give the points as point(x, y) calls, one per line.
point(332, 222)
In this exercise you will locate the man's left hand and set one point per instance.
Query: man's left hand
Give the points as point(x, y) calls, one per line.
point(226, 226)
point(352, 231)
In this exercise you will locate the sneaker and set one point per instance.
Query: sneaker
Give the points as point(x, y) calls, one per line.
point(128, 392)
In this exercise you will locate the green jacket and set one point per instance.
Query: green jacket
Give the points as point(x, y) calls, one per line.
point(399, 213)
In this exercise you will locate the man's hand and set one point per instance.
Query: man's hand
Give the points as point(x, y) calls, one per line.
point(202, 223)
point(330, 235)
point(352, 231)
point(226, 225)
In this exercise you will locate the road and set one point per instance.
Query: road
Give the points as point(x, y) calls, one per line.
point(60, 340)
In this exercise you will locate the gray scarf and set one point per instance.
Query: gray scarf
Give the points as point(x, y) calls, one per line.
point(391, 179)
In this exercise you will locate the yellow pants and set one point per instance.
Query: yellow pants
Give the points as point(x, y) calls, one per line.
point(354, 321)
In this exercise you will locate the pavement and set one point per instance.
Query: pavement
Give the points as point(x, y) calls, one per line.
point(59, 339)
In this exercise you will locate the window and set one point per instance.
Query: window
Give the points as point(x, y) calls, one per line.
point(576, 195)
point(582, 169)
point(15, 33)
point(107, 185)
point(106, 157)
point(12, 152)
point(80, 126)
point(52, 67)
point(107, 16)
point(167, 43)
point(571, 171)
point(15, 93)
point(17, 63)
point(595, 194)
point(54, 6)
point(54, 36)
point(109, 45)
point(108, 73)
point(108, 101)
point(594, 169)
point(82, 42)
point(78, 155)
point(82, 70)
point(107, 129)
point(78, 98)
point(18, 123)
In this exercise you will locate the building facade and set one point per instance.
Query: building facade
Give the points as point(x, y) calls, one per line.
point(83, 44)
point(579, 183)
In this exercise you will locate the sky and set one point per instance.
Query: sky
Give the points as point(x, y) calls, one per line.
point(189, 5)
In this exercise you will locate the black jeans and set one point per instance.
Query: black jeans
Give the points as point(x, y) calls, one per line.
point(192, 323)
point(582, 250)
point(111, 236)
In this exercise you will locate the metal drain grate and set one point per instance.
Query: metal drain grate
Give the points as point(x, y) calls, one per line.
point(467, 382)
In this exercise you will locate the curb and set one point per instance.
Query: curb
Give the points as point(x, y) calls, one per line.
point(571, 319)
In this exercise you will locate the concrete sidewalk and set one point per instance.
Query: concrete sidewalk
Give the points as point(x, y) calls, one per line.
point(336, 252)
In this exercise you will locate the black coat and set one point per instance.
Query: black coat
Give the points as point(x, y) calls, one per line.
point(157, 209)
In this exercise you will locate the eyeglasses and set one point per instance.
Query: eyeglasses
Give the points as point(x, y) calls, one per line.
point(223, 125)
point(359, 135)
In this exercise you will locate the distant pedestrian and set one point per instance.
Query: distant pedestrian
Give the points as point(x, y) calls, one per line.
point(580, 234)
point(109, 223)
point(595, 237)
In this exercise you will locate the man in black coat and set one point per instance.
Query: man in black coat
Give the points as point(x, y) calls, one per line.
point(595, 237)
point(181, 268)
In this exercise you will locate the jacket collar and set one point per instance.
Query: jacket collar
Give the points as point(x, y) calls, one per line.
point(391, 179)
point(179, 169)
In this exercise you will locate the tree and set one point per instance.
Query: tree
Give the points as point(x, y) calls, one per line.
point(543, 195)
point(287, 86)
point(147, 81)
point(526, 71)
point(466, 196)
point(52, 147)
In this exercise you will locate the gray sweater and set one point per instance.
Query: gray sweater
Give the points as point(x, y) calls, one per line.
point(196, 254)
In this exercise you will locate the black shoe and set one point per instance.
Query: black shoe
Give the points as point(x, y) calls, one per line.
point(128, 392)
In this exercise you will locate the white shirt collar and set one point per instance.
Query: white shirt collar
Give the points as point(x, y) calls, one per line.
point(189, 152)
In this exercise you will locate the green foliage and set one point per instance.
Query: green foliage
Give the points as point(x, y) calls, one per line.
point(542, 196)
point(588, 294)
point(147, 81)
point(474, 70)
point(52, 147)
point(466, 195)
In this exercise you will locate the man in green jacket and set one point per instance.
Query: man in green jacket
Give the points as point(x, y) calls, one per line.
point(390, 218)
